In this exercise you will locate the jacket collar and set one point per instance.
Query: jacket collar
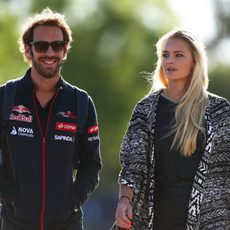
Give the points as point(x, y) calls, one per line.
point(28, 85)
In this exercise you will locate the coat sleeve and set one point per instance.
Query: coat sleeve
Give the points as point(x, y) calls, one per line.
point(216, 200)
point(89, 164)
point(134, 150)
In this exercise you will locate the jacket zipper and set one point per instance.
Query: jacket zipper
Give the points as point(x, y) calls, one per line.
point(44, 135)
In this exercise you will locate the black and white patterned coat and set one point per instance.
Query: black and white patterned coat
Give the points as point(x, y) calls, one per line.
point(209, 205)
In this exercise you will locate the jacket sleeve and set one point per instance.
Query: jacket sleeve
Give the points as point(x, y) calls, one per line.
point(134, 150)
point(216, 200)
point(7, 187)
point(89, 164)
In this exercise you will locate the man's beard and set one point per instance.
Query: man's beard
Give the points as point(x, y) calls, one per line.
point(45, 72)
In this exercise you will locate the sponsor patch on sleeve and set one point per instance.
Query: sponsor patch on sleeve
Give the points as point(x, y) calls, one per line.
point(93, 129)
point(93, 138)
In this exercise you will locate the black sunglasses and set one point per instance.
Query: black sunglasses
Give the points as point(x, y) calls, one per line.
point(42, 46)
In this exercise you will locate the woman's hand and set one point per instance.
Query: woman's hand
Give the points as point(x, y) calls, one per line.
point(124, 213)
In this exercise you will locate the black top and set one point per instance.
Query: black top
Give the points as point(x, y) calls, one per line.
point(174, 173)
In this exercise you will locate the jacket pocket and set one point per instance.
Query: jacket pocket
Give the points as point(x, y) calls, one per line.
point(70, 200)
point(26, 208)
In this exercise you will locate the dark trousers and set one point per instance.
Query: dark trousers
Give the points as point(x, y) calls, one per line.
point(7, 225)
point(73, 225)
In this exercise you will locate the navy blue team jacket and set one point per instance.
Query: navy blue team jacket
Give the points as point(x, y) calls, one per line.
point(36, 179)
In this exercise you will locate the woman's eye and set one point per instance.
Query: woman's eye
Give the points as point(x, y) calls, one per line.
point(165, 55)
point(179, 55)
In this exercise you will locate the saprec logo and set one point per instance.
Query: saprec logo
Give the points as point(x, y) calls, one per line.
point(63, 138)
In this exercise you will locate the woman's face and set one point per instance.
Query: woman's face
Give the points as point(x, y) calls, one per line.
point(177, 60)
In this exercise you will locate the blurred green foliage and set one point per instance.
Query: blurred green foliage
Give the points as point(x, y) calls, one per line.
point(220, 81)
point(113, 43)
point(11, 61)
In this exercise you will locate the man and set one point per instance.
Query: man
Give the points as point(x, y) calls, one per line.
point(42, 146)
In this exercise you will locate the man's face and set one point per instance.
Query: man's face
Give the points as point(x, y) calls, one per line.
point(46, 58)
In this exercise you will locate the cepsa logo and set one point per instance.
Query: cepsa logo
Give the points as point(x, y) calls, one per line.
point(64, 126)
point(93, 129)
point(93, 133)
point(21, 113)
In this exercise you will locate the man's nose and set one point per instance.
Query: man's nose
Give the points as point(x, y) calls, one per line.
point(50, 51)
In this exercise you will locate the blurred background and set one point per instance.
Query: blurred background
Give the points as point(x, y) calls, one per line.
point(114, 45)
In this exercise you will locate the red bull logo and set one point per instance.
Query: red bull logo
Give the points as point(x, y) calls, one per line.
point(21, 109)
point(21, 113)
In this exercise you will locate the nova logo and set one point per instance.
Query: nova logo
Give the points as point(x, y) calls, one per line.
point(25, 130)
point(22, 131)
point(63, 138)
point(14, 131)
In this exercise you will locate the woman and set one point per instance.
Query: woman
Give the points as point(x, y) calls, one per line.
point(175, 154)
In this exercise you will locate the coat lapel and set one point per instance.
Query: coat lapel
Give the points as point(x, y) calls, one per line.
point(151, 164)
point(197, 189)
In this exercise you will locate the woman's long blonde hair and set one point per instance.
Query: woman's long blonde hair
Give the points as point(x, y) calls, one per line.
point(190, 111)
